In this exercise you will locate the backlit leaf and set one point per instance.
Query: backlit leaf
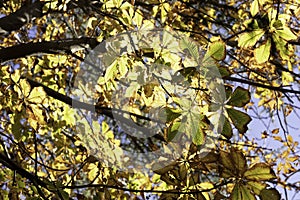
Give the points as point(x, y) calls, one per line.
point(260, 172)
point(286, 34)
point(254, 8)
point(217, 50)
point(249, 39)
point(262, 53)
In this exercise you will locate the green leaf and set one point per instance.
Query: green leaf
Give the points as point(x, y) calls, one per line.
point(167, 114)
point(281, 47)
point(197, 125)
point(227, 129)
point(111, 71)
point(173, 131)
point(234, 163)
point(286, 34)
point(267, 194)
point(224, 71)
point(239, 119)
point(17, 126)
point(240, 97)
point(254, 8)
point(190, 46)
point(262, 53)
point(260, 172)
point(241, 192)
point(256, 187)
point(249, 39)
point(217, 50)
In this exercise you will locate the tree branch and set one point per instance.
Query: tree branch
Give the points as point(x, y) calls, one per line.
point(27, 49)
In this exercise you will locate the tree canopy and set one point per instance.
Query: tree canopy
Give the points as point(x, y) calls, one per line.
point(154, 99)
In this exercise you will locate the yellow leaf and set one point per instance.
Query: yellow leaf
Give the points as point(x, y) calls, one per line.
point(37, 95)
point(25, 87)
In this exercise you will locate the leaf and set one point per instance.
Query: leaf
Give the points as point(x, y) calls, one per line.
point(240, 97)
point(217, 50)
point(111, 71)
point(167, 114)
point(224, 71)
point(25, 87)
point(260, 172)
point(227, 130)
point(254, 8)
point(233, 162)
point(249, 39)
point(267, 194)
point(241, 192)
point(239, 119)
point(256, 187)
point(17, 126)
point(190, 46)
point(37, 95)
point(286, 34)
point(281, 47)
point(262, 53)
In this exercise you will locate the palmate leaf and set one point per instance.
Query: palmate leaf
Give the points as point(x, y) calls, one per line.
point(239, 119)
point(234, 163)
point(249, 39)
point(260, 172)
point(262, 53)
point(241, 192)
point(227, 129)
point(239, 98)
point(286, 34)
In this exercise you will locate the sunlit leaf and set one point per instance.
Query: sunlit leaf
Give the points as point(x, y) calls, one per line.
point(249, 39)
point(217, 50)
point(254, 7)
point(262, 53)
point(286, 34)
point(256, 187)
point(260, 172)
point(37, 95)
point(25, 87)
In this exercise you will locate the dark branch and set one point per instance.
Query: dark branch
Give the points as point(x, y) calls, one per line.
point(27, 49)
point(24, 15)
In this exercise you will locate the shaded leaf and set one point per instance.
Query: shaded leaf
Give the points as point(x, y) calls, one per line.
point(267, 194)
point(233, 162)
point(239, 119)
point(227, 129)
point(240, 97)
point(241, 192)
